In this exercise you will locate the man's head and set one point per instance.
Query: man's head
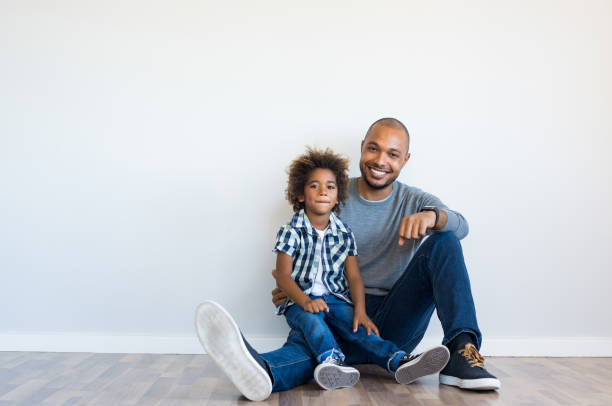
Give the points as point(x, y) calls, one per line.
point(384, 152)
point(318, 181)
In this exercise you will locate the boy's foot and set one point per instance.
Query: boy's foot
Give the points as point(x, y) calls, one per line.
point(466, 370)
point(332, 374)
point(412, 367)
point(223, 341)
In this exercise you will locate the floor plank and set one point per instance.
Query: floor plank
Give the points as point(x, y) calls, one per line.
point(75, 379)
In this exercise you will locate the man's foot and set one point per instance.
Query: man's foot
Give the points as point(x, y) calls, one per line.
point(332, 374)
point(223, 341)
point(412, 367)
point(466, 370)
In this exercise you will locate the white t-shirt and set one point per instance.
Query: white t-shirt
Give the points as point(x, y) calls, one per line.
point(318, 287)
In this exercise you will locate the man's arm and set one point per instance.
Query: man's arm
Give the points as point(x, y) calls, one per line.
point(415, 225)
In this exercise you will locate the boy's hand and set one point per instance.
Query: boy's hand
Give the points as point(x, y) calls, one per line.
point(362, 319)
point(316, 306)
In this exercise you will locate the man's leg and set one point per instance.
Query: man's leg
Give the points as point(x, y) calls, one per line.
point(436, 278)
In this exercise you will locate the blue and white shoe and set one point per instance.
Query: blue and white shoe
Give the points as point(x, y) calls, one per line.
point(333, 374)
point(413, 367)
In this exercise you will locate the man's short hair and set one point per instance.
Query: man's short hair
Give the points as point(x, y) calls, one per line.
point(391, 123)
point(302, 167)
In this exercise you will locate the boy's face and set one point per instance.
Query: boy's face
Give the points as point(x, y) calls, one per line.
point(320, 193)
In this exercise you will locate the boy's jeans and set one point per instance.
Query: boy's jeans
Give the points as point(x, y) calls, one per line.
point(317, 330)
point(436, 278)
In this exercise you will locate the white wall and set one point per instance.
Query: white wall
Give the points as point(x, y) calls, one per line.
point(143, 147)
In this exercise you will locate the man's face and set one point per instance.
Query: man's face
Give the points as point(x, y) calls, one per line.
point(383, 155)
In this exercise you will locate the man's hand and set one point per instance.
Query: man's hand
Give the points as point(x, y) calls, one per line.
point(316, 306)
point(362, 319)
point(415, 226)
point(278, 296)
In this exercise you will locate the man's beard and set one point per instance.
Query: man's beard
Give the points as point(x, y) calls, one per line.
point(375, 187)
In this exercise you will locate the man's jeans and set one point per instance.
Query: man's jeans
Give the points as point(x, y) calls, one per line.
point(436, 278)
point(317, 330)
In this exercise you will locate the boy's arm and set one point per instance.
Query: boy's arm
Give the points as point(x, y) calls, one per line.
point(284, 265)
point(353, 276)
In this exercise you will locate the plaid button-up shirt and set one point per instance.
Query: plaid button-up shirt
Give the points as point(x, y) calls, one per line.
point(299, 239)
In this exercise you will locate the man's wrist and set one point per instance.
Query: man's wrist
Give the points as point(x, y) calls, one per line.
point(435, 211)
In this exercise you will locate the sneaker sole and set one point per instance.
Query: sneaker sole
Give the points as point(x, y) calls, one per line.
point(221, 339)
point(430, 362)
point(333, 376)
point(471, 384)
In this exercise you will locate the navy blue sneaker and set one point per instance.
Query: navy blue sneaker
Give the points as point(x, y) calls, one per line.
point(223, 341)
point(466, 370)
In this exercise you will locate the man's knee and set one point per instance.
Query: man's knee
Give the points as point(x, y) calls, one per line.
point(445, 241)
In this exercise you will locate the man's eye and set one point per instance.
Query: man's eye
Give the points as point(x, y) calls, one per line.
point(394, 156)
point(371, 149)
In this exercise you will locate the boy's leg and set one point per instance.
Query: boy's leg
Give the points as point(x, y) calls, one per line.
point(382, 352)
point(330, 373)
point(318, 337)
point(340, 320)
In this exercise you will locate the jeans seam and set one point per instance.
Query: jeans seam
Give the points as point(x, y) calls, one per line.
point(289, 363)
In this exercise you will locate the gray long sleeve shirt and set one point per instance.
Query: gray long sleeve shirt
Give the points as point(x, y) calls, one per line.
point(376, 226)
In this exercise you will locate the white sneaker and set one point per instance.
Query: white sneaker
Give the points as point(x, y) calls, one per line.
point(416, 366)
point(222, 340)
point(331, 374)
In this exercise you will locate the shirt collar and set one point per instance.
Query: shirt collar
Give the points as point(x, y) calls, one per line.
point(300, 220)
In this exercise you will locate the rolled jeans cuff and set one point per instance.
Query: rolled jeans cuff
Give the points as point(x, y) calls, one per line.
point(334, 353)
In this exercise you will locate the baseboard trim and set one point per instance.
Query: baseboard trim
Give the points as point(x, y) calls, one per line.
point(86, 342)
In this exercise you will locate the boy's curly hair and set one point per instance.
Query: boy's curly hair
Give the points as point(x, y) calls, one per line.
point(301, 168)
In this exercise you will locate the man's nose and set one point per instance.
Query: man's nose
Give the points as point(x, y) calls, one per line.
point(380, 160)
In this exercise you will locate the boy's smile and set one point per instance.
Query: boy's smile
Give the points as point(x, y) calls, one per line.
point(320, 193)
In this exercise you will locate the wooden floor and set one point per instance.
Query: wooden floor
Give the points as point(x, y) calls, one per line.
point(31, 378)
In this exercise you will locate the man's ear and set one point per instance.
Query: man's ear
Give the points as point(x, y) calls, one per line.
point(406, 159)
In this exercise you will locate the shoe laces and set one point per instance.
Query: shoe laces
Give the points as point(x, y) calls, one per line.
point(470, 353)
point(408, 358)
point(332, 360)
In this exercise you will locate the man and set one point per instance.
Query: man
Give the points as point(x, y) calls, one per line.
point(405, 277)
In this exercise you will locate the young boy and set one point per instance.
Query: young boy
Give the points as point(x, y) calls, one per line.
point(317, 267)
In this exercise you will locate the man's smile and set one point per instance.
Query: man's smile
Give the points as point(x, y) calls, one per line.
point(377, 173)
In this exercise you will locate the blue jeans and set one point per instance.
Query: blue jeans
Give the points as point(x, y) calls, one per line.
point(436, 278)
point(317, 332)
